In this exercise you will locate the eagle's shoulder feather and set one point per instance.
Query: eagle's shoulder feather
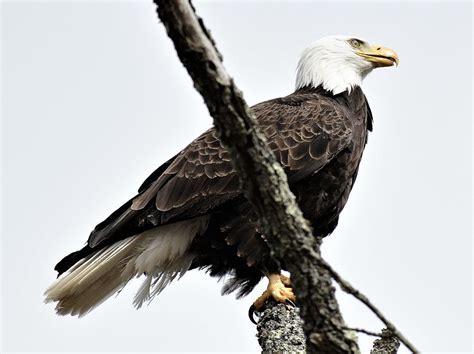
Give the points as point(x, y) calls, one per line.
point(305, 130)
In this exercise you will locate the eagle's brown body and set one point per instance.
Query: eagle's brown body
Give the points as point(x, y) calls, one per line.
point(319, 139)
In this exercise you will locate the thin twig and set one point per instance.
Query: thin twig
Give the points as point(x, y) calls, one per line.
point(348, 288)
point(361, 330)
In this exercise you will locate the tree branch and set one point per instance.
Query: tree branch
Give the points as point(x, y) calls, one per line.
point(264, 182)
point(280, 329)
point(388, 344)
point(348, 288)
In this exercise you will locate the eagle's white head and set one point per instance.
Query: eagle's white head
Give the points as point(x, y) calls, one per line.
point(338, 63)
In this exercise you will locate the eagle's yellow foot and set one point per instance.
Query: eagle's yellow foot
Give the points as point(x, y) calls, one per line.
point(278, 289)
point(285, 280)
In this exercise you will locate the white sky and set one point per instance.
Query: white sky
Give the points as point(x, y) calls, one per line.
point(94, 99)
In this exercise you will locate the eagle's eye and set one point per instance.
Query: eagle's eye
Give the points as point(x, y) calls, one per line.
point(356, 43)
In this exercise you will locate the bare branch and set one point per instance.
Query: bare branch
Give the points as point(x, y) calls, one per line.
point(264, 183)
point(364, 331)
point(280, 329)
point(348, 288)
point(388, 344)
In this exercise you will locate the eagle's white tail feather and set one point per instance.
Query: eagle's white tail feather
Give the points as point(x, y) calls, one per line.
point(161, 253)
point(143, 293)
point(89, 271)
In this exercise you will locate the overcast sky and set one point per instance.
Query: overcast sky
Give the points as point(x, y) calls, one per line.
point(94, 99)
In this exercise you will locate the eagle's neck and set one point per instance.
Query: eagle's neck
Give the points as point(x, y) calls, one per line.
point(334, 74)
point(354, 100)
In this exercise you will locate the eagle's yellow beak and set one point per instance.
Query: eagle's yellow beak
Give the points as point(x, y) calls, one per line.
point(379, 55)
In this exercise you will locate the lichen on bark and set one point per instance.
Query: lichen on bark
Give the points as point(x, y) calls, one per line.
point(280, 329)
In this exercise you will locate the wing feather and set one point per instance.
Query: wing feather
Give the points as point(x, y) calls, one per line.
point(305, 131)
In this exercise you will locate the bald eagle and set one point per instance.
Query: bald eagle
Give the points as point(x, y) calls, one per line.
point(191, 213)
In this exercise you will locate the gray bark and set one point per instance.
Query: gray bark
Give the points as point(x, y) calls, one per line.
point(280, 329)
point(264, 183)
point(387, 344)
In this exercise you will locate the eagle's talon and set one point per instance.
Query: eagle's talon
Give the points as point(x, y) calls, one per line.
point(277, 290)
point(251, 314)
point(257, 306)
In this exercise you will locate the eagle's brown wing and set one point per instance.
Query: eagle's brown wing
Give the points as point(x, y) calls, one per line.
point(305, 133)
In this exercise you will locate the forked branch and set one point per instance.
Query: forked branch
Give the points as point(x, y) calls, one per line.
point(263, 180)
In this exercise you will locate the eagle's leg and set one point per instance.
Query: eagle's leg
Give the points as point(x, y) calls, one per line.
point(278, 288)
